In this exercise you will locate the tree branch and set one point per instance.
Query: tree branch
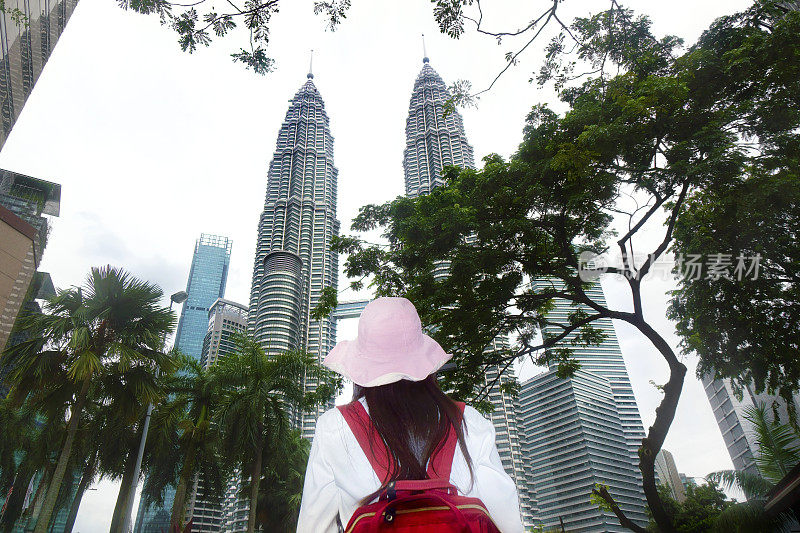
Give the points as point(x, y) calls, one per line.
point(623, 520)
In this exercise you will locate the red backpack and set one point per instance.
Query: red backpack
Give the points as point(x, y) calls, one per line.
point(413, 506)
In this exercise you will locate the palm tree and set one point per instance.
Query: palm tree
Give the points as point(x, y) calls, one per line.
point(256, 391)
point(285, 461)
point(113, 322)
point(185, 441)
point(778, 452)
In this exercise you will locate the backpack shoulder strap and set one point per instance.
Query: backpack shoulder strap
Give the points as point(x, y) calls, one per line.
point(441, 463)
point(359, 422)
point(368, 438)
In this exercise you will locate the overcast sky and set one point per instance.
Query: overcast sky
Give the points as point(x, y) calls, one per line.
point(153, 147)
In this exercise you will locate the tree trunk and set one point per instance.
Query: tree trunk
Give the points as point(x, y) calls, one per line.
point(86, 479)
point(43, 522)
point(117, 518)
point(665, 413)
point(255, 480)
point(179, 503)
point(14, 503)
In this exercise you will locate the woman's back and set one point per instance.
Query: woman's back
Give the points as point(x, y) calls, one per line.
point(393, 366)
point(340, 475)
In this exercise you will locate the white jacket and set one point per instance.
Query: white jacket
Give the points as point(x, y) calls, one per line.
point(339, 475)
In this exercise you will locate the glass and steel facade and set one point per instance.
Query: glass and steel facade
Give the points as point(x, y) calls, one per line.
point(573, 439)
point(28, 200)
point(603, 362)
point(294, 261)
point(207, 278)
point(29, 31)
point(729, 409)
point(668, 475)
point(435, 141)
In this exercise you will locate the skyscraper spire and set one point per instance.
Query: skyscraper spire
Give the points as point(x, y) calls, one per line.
point(424, 51)
point(310, 65)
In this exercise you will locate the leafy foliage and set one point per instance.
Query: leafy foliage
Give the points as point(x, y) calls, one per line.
point(94, 348)
point(281, 490)
point(258, 392)
point(777, 454)
point(701, 509)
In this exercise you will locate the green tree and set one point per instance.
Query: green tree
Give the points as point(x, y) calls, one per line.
point(281, 487)
point(702, 507)
point(257, 390)
point(749, 329)
point(199, 23)
point(113, 323)
point(660, 131)
point(184, 441)
point(777, 453)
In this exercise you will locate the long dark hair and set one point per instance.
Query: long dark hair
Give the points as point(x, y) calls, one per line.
point(406, 413)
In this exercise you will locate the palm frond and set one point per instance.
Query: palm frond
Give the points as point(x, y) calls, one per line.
point(777, 444)
point(749, 517)
point(749, 483)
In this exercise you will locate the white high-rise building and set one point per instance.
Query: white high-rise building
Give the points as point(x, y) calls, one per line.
point(668, 475)
point(225, 320)
point(730, 408)
point(435, 140)
point(573, 440)
point(558, 422)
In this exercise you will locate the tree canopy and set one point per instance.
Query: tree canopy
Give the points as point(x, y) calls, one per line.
point(749, 329)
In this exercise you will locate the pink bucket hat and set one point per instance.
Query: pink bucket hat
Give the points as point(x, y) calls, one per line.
point(390, 346)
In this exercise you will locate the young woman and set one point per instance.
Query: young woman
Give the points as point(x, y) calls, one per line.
point(392, 365)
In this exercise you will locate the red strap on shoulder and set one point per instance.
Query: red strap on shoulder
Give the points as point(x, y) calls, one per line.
point(363, 429)
point(368, 438)
point(441, 463)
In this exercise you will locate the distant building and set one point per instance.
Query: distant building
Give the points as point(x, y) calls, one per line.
point(207, 279)
point(206, 285)
point(25, 46)
point(668, 475)
point(554, 474)
point(225, 320)
point(729, 410)
point(23, 236)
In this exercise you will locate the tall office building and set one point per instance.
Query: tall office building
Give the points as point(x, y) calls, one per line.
point(225, 320)
point(551, 480)
point(27, 39)
point(207, 279)
point(294, 261)
point(433, 142)
point(573, 439)
point(730, 410)
point(668, 475)
point(208, 276)
point(24, 202)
